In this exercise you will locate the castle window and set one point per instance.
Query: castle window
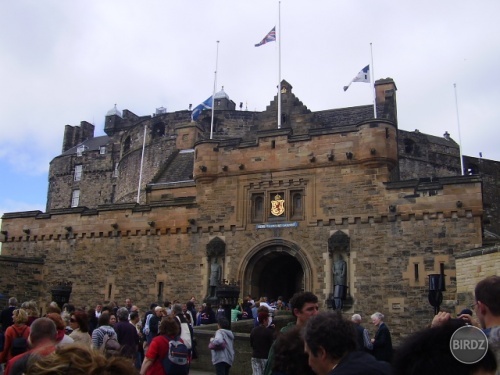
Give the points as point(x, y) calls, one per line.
point(79, 150)
point(126, 145)
point(75, 198)
point(102, 150)
point(409, 146)
point(115, 171)
point(158, 130)
point(471, 169)
point(258, 208)
point(160, 291)
point(78, 172)
point(297, 208)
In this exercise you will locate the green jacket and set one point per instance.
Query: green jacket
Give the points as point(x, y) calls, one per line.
point(270, 359)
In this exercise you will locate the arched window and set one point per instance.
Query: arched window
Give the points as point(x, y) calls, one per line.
point(126, 145)
point(258, 208)
point(297, 205)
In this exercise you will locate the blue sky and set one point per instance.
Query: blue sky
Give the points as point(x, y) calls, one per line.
point(63, 62)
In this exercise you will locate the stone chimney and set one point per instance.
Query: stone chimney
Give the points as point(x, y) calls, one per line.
point(385, 97)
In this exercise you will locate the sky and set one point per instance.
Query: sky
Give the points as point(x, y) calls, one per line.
point(63, 62)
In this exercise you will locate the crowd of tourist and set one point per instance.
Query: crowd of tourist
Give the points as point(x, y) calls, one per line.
point(112, 340)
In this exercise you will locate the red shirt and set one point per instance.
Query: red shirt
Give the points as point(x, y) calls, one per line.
point(10, 334)
point(42, 349)
point(157, 350)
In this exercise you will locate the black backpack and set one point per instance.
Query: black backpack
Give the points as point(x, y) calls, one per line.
point(19, 344)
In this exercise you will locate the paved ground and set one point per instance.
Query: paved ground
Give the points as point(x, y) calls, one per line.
point(199, 372)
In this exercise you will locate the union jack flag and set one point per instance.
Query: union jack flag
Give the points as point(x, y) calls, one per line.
point(270, 37)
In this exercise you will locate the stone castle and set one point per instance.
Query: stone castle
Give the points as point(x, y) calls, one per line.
point(147, 210)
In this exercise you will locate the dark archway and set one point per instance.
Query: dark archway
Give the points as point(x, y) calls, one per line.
point(279, 274)
point(275, 267)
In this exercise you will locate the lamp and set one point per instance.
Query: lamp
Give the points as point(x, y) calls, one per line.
point(203, 168)
point(349, 155)
point(114, 225)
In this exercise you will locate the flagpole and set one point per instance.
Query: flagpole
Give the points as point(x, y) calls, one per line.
point(213, 95)
point(279, 64)
point(142, 162)
point(459, 135)
point(372, 71)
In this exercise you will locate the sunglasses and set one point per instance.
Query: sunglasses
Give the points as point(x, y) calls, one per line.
point(72, 320)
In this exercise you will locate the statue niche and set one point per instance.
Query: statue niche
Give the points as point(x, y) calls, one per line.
point(338, 245)
point(216, 249)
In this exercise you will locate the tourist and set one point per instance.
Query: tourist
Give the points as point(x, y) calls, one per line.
point(487, 308)
point(62, 338)
point(207, 315)
point(428, 352)
point(6, 315)
point(18, 329)
point(158, 349)
point(289, 357)
point(77, 360)
point(42, 337)
point(330, 342)
point(382, 343)
point(261, 340)
point(32, 310)
point(362, 334)
point(222, 349)
point(304, 305)
point(103, 329)
point(79, 323)
point(126, 334)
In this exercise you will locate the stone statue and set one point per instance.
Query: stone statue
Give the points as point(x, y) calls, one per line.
point(339, 281)
point(339, 271)
point(215, 276)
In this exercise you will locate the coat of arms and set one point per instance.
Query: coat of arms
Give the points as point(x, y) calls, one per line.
point(278, 206)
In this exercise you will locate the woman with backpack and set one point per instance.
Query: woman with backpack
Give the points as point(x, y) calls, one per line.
point(160, 355)
point(16, 336)
point(104, 330)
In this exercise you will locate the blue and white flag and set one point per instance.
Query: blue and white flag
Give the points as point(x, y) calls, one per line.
point(363, 76)
point(270, 37)
point(207, 104)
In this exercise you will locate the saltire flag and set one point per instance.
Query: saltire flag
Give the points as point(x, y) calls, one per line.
point(363, 76)
point(207, 104)
point(270, 37)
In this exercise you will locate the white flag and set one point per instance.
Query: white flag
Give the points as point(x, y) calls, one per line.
point(362, 76)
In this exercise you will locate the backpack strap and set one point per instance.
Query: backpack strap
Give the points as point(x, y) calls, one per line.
point(19, 335)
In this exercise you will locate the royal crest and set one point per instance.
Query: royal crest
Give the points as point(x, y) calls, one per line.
point(278, 206)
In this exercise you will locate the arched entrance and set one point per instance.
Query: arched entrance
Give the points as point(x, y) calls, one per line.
point(275, 268)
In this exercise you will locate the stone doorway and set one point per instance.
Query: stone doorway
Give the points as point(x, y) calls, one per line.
point(276, 268)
